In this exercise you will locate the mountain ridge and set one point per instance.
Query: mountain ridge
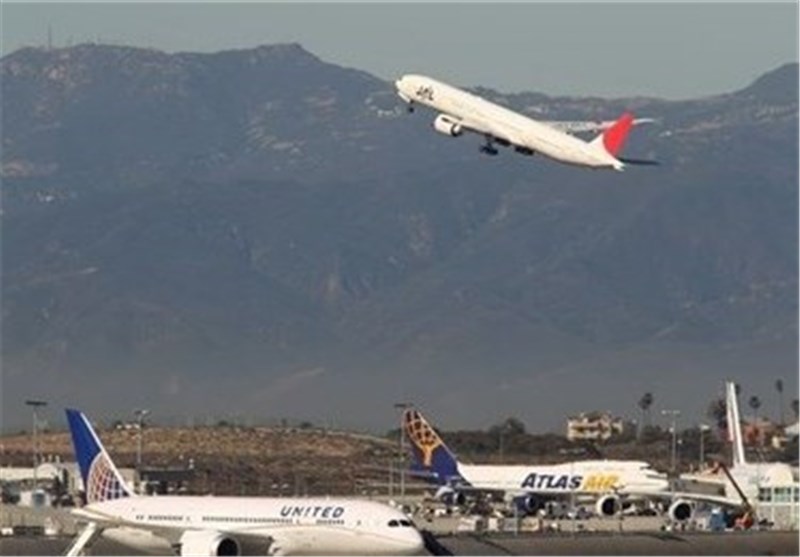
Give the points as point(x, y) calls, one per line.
point(167, 224)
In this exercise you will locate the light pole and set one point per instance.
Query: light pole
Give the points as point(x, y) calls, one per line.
point(674, 414)
point(402, 406)
point(703, 429)
point(141, 414)
point(35, 405)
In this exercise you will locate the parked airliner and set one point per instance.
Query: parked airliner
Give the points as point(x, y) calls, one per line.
point(528, 487)
point(229, 525)
point(461, 111)
point(754, 481)
point(609, 483)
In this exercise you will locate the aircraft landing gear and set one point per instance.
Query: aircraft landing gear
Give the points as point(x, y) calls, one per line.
point(488, 149)
point(84, 539)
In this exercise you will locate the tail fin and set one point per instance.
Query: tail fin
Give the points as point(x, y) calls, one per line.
point(734, 424)
point(432, 458)
point(101, 479)
point(613, 139)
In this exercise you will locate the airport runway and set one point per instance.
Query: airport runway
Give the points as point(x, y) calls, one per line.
point(654, 543)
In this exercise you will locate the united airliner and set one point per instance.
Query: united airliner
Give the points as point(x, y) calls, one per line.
point(228, 525)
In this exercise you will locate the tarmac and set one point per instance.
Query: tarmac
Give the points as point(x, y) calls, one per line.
point(632, 536)
point(598, 543)
point(654, 543)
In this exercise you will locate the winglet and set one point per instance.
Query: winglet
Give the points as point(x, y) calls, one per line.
point(101, 479)
point(615, 136)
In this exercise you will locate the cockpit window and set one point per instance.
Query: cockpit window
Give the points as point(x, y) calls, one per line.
point(406, 523)
point(393, 524)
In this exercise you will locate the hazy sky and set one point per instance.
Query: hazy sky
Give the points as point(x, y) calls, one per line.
point(672, 50)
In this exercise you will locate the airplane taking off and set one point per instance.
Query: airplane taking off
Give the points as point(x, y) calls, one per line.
point(228, 525)
point(608, 483)
point(460, 111)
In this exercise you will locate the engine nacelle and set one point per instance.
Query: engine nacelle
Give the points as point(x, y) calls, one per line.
point(205, 542)
point(451, 497)
point(527, 504)
point(680, 510)
point(608, 505)
point(447, 125)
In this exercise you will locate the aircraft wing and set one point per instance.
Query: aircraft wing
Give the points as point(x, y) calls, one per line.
point(579, 126)
point(255, 541)
point(504, 134)
point(669, 496)
point(621, 491)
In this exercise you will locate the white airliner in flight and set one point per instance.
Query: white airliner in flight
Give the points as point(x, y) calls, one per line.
point(460, 111)
point(228, 525)
point(609, 483)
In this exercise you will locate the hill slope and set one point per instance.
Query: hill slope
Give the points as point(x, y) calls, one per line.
point(264, 231)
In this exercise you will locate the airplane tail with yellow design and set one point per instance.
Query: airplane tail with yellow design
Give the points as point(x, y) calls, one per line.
point(431, 457)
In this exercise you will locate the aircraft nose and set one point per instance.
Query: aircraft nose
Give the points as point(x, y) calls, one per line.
point(416, 544)
point(401, 86)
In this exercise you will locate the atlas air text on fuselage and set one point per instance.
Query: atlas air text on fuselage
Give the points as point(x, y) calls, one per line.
point(571, 482)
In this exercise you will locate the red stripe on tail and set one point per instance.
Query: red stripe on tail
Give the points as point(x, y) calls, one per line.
point(615, 136)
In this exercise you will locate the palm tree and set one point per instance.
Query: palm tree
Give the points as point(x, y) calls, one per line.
point(755, 404)
point(718, 412)
point(645, 403)
point(779, 388)
point(796, 408)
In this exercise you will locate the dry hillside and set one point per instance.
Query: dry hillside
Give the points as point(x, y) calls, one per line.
point(238, 460)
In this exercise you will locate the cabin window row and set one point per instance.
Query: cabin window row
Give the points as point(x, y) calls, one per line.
point(247, 519)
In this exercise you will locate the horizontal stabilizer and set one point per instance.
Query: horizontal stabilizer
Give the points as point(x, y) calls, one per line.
point(640, 162)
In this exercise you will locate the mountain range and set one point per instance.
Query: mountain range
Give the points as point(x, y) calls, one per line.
point(260, 233)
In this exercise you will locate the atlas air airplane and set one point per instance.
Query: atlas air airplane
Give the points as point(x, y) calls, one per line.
point(609, 483)
point(460, 111)
point(228, 525)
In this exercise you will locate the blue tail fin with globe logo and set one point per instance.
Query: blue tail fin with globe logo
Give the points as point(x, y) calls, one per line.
point(101, 479)
point(432, 459)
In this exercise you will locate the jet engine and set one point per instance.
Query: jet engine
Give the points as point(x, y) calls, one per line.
point(447, 125)
point(680, 510)
point(451, 497)
point(527, 504)
point(199, 542)
point(608, 505)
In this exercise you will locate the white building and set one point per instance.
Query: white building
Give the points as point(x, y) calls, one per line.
point(593, 426)
point(49, 473)
point(780, 505)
